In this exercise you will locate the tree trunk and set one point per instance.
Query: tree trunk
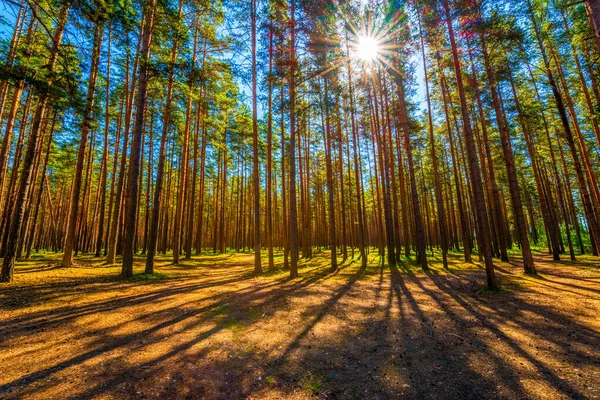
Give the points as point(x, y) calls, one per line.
point(255, 160)
point(482, 225)
point(509, 161)
point(330, 188)
point(134, 158)
point(269, 210)
point(439, 201)
point(293, 214)
point(585, 196)
point(14, 228)
point(85, 130)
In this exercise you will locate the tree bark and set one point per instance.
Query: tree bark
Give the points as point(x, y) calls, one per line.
point(134, 158)
point(85, 130)
point(482, 225)
point(255, 160)
point(14, 228)
point(293, 214)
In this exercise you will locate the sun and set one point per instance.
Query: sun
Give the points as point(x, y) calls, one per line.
point(367, 48)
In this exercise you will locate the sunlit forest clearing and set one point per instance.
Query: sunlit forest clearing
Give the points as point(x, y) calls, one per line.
point(208, 328)
point(273, 199)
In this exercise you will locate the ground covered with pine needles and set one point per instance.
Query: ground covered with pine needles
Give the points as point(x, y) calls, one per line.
point(208, 328)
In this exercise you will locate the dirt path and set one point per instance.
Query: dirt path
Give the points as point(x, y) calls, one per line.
point(208, 329)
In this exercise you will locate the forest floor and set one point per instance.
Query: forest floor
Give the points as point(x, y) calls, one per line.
point(208, 329)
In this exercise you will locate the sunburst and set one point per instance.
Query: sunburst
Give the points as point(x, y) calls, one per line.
point(365, 42)
point(367, 48)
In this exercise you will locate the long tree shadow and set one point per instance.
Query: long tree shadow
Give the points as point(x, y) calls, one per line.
point(381, 356)
point(61, 315)
point(258, 295)
point(436, 350)
point(416, 338)
point(245, 301)
point(544, 277)
point(325, 363)
point(485, 319)
point(104, 284)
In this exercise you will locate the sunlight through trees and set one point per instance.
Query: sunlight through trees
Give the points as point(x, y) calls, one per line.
point(399, 128)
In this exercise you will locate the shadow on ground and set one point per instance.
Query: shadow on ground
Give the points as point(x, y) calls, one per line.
point(209, 329)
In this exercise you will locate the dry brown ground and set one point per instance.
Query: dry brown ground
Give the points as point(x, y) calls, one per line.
point(208, 329)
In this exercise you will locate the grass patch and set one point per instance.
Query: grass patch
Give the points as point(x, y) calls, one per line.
point(233, 325)
point(311, 384)
point(155, 277)
point(506, 285)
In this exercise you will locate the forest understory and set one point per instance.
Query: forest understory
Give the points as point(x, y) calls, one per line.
point(300, 199)
point(208, 328)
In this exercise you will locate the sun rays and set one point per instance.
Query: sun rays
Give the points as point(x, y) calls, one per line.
point(367, 48)
point(365, 39)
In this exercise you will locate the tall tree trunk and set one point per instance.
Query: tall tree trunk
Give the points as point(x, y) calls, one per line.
point(380, 136)
point(497, 227)
point(134, 162)
point(341, 185)
point(85, 130)
point(583, 189)
point(293, 214)
point(269, 210)
point(183, 170)
point(104, 167)
point(255, 161)
point(509, 161)
point(40, 191)
point(464, 225)
point(284, 201)
point(156, 203)
point(482, 225)
point(330, 188)
point(439, 201)
point(118, 206)
point(14, 228)
point(4, 151)
point(548, 212)
point(202, 189)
